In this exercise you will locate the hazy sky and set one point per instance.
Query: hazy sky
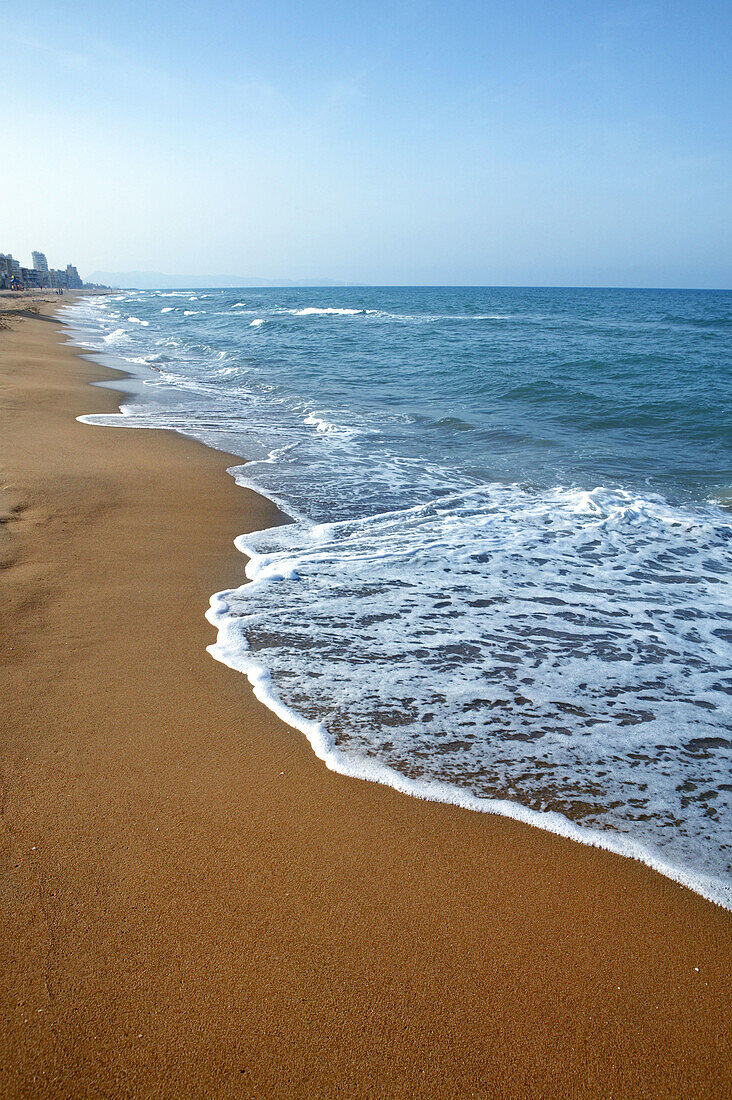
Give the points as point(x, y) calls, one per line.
point(435, 142)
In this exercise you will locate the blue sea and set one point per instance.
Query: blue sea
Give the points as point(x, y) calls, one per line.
point(507, 583)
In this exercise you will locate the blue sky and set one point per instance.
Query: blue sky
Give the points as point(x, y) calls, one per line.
point(492, 143)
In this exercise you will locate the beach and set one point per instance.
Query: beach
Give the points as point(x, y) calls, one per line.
point(193, 905)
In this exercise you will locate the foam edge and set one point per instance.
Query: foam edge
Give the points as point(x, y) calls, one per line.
point(232, 654)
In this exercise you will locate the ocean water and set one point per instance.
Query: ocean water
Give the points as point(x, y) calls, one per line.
point(507, 583)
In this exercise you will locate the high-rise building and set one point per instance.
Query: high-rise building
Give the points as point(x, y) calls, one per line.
point(40, 263)
point(73, 281)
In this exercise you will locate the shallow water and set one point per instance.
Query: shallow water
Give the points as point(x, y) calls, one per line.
point(510, 570)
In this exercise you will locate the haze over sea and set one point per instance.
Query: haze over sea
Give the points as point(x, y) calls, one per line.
point(508, 578)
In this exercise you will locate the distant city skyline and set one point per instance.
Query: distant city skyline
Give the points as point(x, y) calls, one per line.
point(15, 276)
point(441, 144)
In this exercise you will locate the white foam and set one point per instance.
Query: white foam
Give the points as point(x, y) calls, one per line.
point(312, 311)
point(229, 651)
point(327, 426)
point(257, 322)
point(589, 688)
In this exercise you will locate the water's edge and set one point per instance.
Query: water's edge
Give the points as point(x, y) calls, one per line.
point(226, 652)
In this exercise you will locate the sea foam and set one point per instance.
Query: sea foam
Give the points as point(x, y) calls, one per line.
point(318, 311)
point(547, 649)
point(229, 650)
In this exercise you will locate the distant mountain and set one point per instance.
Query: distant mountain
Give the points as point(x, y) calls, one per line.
point(155, 280)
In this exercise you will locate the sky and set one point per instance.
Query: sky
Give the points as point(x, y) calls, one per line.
point(468, 143)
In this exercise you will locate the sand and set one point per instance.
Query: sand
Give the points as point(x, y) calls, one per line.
point(193, 906)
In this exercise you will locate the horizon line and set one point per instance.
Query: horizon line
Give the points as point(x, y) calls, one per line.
point(333, 285)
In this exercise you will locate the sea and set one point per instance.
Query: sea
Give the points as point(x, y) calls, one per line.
point(507, 579)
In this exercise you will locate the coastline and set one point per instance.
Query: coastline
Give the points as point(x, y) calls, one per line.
point(645, 803)
point(195, 904)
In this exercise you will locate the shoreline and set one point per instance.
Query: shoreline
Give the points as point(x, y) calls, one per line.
point(711, 888)
point(291, 932)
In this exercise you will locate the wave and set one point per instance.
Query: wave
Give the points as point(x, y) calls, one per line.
point(229, 651)
point(454, 424)
point(387, 316)
point(318, 310)
point(567, 652)
point(328, 428)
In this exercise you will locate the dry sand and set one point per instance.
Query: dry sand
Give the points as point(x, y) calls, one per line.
point(192, 906)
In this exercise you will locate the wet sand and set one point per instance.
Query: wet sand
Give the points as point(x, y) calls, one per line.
point(193, 906)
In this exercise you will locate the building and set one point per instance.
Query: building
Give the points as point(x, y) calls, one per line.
point(9, 270)
point(73, 281)
point(38, 277)
point(32, 279)
point(40, 265)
